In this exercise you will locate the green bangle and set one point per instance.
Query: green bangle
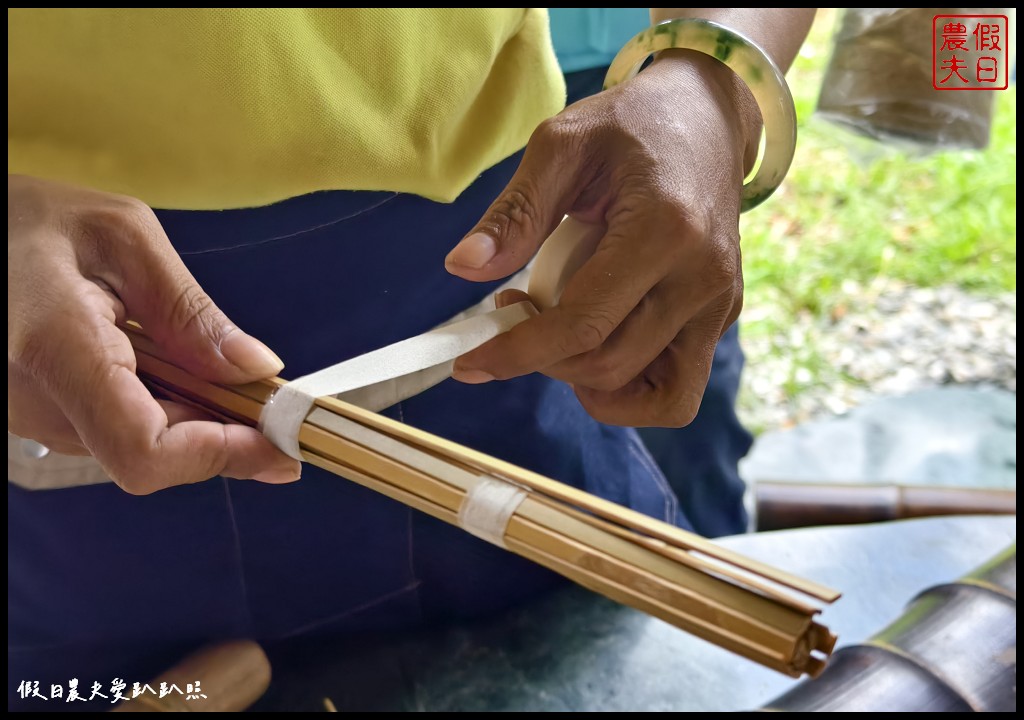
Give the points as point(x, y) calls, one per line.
point(752, 64)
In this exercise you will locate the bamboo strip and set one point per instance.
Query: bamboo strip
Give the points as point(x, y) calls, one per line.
point(411, 457)
point(704, 594)
point(547, 516)
point(625, 517)
point(711, 566)
point(591, 581)
point(687, 581)
point(673, 536)
point(667, 611)
point(573, 496)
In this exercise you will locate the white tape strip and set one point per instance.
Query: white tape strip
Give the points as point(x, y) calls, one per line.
point(386, 376)
point(562, 254)
point(488, 507)
point(381, 378)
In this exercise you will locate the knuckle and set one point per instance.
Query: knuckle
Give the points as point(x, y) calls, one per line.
point(37, 359)
point(722, 268)
point(134, 212)
point(120, 225)
point(603, 371)
point(194, 310)
point(214, 454)
point(564, 137)
point(17, 426)
point(140, 467)
point(516, 205)
point(587, 332)
point(132, 466)
point(610, 409)
point(686, 218)
point(557, 131)
point(680, 412)
point(604, 415)
point(132, 476)
point(33, 202)
point(516, 209)
point(737, 303)
point(679, 231)
point(130, 217)
point(132, 485)
point(28, 352)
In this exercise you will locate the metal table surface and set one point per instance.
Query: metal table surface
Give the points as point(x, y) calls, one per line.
point(574, 650)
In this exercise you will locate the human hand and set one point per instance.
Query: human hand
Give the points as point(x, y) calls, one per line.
point(659, 161)
point(79, 262)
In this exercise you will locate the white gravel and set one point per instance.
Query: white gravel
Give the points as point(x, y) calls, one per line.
point(885, 339)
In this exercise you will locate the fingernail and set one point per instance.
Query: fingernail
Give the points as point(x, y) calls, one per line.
point(472, 377)
point(473, 252)
point(277, 477)
point(250, 355)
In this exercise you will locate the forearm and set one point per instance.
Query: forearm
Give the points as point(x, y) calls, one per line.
point(779, 31)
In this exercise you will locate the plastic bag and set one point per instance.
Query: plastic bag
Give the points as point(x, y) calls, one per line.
point(879, 82)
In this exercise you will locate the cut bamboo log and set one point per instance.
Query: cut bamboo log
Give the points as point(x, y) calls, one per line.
point(745, 606)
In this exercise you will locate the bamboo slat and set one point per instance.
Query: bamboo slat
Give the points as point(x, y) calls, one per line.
point(740, 604)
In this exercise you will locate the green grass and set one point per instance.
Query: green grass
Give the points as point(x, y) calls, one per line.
point(945, 218)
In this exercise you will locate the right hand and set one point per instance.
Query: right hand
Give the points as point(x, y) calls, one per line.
point(78, 263)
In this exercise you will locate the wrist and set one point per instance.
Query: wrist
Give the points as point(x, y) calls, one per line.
point(688, 71)
point(728, 111)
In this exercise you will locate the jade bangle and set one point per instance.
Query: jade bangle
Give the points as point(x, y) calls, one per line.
point(745, 58)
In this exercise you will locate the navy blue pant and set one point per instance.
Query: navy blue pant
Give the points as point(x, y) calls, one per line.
point(700, 460)
point(102, 584)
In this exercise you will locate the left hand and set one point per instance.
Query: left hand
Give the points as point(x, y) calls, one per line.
point(660, 161)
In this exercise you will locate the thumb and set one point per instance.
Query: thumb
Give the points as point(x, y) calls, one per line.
point(202, 340)
point(160, 293)
point(527, 211)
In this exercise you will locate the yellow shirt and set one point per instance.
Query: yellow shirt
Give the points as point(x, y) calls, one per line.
point(223, 108)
